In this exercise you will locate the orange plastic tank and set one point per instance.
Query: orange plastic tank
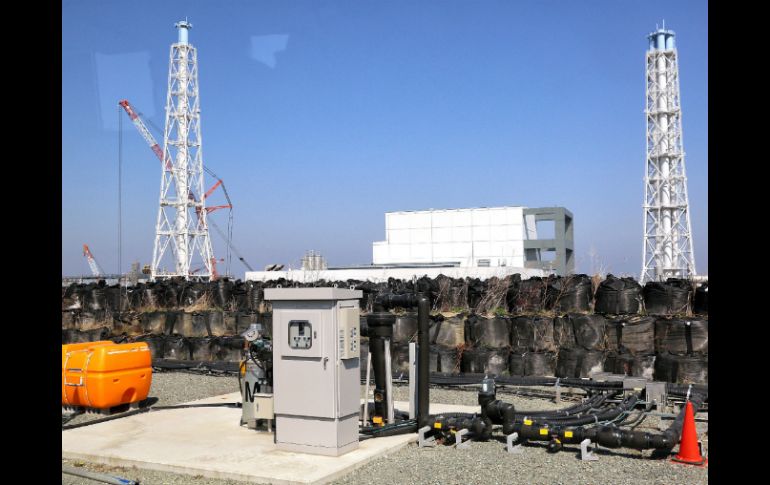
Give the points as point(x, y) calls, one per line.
point(104, 374)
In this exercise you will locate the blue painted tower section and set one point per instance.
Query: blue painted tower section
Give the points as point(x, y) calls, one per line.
point(661, 40)
point(184, 26)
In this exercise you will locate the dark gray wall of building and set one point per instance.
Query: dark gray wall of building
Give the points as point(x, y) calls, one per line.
point(562, 242)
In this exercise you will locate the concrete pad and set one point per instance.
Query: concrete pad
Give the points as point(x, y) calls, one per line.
point(209, 442)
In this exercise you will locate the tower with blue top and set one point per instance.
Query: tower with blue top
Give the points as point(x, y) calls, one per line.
point(667, 250)
point(182, 240)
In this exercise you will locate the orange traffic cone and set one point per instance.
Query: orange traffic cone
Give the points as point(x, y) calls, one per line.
point(689, 452)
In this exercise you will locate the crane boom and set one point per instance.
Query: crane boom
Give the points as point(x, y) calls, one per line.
point(137, 120)
point(95, 268)
point(145, 132)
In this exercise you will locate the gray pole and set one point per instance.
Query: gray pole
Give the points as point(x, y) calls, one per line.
point(423, 371)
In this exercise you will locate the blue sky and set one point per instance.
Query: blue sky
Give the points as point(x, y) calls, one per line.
point(320, 116)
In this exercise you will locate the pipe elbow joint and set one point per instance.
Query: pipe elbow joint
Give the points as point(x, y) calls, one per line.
point(481, 428)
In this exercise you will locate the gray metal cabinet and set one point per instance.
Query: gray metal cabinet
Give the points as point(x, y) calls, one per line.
point(316, 376)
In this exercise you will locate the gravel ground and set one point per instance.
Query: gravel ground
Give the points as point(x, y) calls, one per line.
point(483, 463)
point(489, 463)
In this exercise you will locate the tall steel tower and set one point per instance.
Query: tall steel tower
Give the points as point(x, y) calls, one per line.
point(181, 228)
point(667, 250)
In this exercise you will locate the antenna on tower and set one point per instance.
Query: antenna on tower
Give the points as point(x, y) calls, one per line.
point(667, 250)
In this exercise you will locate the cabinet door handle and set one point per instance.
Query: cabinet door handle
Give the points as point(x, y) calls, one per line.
point(326, 359)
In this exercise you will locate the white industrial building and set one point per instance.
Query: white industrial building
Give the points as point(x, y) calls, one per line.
point(481, 237)
point(478, 243)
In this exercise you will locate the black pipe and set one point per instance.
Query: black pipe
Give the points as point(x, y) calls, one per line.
point(388, 300)
point(423, 360)
point(487, 396)
point(575, 417)
point(498, 412)
point(487, 393)
point(383, 301)
point(696, 399)
point(564, 382)
point(404, 427)
point(447, 424)
point(469, 379)
point(604, 415)
point(607, 436)
point(683, 390)
point(380, 334)
point(570, 425)
point(501, 413)
point(611, 436)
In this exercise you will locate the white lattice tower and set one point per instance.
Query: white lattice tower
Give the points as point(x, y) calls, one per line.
point(181, 235)
point(668, 248)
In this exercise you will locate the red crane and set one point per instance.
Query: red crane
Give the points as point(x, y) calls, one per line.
point(95, 268)
point(145, 132)
point(159, 153)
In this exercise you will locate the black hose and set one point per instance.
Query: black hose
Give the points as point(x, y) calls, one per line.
point(403, 427)
point(203, 405)
point(469, 379)
point(105, 419)
point(412, 428)
point(585, 409)
point(610, 436)
point(522, 422)
point(635, 422)
point(571, 424)
point(501, 412)
point(225, 367)
point(151, 408)
point(593, 401)
point(683, 389)
point(605, 415)
point(432, 418)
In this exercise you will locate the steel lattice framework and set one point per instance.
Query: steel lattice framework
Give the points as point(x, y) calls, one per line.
point(668, 248)
point(181, 228)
